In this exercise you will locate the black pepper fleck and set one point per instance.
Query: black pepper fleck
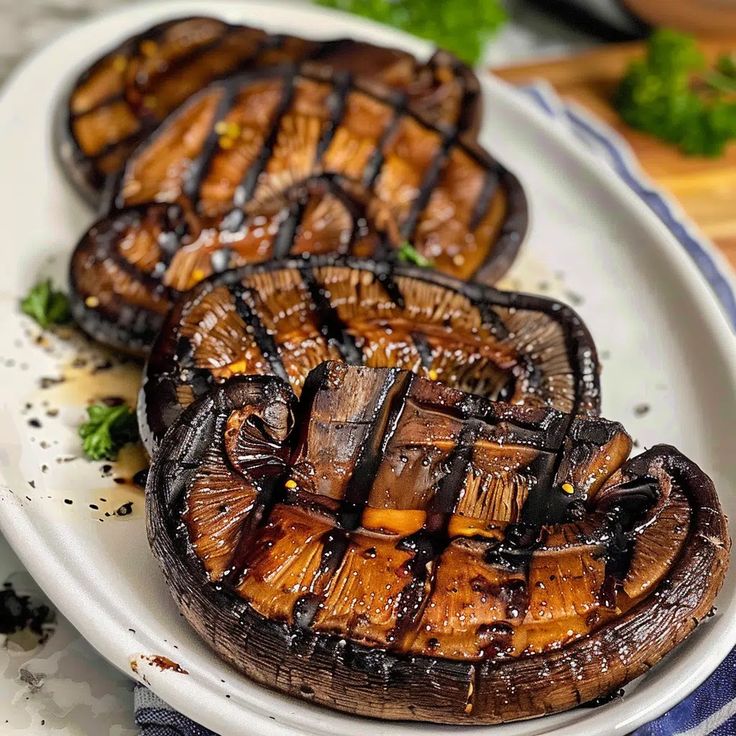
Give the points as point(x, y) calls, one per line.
point(125, 509)
point(48, 381)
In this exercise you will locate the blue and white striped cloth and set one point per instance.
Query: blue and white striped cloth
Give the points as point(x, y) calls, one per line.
point(711, 709)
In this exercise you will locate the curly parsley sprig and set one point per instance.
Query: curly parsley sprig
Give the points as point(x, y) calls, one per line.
point(671, 94)
point(46, 305)
point(460, 26)
point(107, 429)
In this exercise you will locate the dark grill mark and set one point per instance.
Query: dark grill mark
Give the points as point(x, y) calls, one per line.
point(245, 306)
point(199, 168)
point(114, 97)
point(392, 401)
point(373, 169)
point(384, 274)
point(423, 348)
point(491, 319)
point(128, 140)
point(429, 182)
point(335, 542)
point(328, 320)
point(485, 197)
point(287, 229)
point(430, 542)
point(336, 103)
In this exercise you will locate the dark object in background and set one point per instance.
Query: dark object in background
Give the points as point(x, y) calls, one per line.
point(605, 20)
point(710, 17)
point(628, 20)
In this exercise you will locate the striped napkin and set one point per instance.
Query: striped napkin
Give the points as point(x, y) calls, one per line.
point(711, 709)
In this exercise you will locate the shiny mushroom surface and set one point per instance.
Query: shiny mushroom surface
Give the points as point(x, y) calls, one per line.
point(389, 546)
point(129, 268)
point(240, 164)
point(126, 92)
point(284, 318)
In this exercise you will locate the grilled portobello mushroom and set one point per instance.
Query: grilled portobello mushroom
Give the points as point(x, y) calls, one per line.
point(125, 93)
point(241, 165)
point(129, 269)
point(244, 139)
point(285, 318)
point(389, 546)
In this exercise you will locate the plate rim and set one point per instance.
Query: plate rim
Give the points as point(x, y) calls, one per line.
point(17, 525)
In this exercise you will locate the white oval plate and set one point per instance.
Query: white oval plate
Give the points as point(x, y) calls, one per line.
point(656, 322)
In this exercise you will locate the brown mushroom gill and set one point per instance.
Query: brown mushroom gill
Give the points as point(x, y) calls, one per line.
point(125, 93)
point(249, 138)
point(285, 318)
point(390, 546)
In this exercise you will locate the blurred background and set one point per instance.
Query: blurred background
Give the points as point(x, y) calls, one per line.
point(533, 27)
point(525, 27)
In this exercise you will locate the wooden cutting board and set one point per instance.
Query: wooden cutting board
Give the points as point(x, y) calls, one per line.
point(705, 187)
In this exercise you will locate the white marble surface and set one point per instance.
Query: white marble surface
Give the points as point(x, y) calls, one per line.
point(63, 686)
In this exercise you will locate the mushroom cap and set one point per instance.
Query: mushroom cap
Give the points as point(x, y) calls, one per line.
point(286, 317)
point(389, 546)
point(258, 166)
point(131, 266)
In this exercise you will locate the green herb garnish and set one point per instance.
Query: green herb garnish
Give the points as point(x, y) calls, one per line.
point(460, 26)
point(46, 305)
point(408, 253)
point(107, 429)
point(671, 94)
